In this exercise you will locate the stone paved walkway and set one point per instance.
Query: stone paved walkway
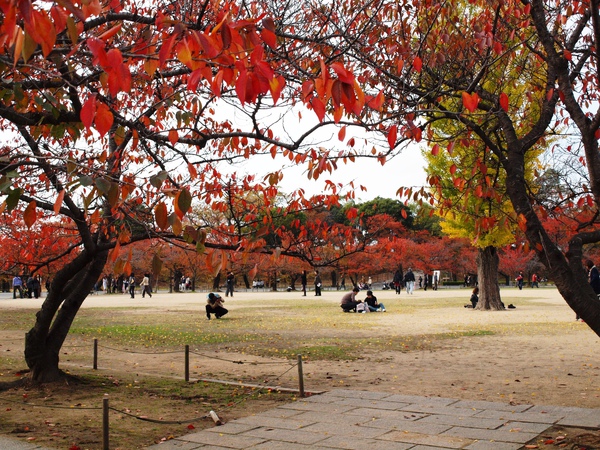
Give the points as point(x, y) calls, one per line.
point(348, 419)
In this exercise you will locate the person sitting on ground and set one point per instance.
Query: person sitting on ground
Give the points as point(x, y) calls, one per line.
point(349, 302)
point(372, 302)
point(475, 297)
point(214, 305)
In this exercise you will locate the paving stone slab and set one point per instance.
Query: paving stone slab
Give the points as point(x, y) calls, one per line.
point(527, 416)
point(480, 404)
point(233, 427)
point(345, 429)
point(440, 401)
point(7, 443)
point(491, 435)
point(347, 393)
point(442, 410)
point(426, 439)
point(369, 403)
point(291, 436)
point(354, 443)
point(223, 440)
point(176, 444)
point(408, 425)
point(471, 421)
point(275, 422)
point(528, 427)
point(487, 445)
point(326, 408)
point(374, 413)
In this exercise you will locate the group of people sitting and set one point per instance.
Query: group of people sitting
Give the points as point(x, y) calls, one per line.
point(349, 303)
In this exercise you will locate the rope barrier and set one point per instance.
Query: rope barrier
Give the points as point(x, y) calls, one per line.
point(138, 352)
point(164, 422)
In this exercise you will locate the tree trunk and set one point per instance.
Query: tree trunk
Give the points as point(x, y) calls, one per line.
point(487, 275)
point(70, 287)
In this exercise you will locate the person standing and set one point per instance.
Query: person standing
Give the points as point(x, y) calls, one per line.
point(131, 285)
point(229, 284)
point(318, 284)
point(146, 289)
point(409, 281)
point(398, 281)
point(303, 281)
point(17, 283)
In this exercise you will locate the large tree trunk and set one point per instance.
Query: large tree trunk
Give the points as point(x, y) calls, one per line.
point(487, 275)
point(70, 287)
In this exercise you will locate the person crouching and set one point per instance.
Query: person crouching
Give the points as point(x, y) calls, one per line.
point(349, 302)
point(214, 305)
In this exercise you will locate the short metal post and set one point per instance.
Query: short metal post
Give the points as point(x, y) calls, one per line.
point(300, 377)
point(95, 354)
point(105, 422)
point(187, 363)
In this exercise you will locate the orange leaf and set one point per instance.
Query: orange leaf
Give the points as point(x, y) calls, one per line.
point(173, 137)
point(470, 101)
point(342, 134)
point(29, 215)
point(161, 216)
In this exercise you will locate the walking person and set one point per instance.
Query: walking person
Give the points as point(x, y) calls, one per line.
point(303, 281)
point(17, 283)
point(229, 284)
point(131, 285)
point(146, 289)
point(409, 281)
point(318, 284)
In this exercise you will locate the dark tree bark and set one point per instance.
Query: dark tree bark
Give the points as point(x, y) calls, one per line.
point(69, 288)
point(487, 274)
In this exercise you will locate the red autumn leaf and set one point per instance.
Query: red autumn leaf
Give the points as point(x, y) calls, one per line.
point(567, 54)
point(418, 64)
point(376, 102)
point(435, 150)
point(503, 101)
point(269, 38)
point(88, 111)
point(345, 76)
point(470, 101)
point(104, 119)
point(318, 108)
point(392, 135)
point(96, 46)
point(342, 134)
point(404, 214)
point(191, 427)
point(29, 215)
point(165, 50)
point(45, 33)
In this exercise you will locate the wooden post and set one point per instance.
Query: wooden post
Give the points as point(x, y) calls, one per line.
point(95, 354)
point(187, 363)
point(300, 377)
point(105, 422)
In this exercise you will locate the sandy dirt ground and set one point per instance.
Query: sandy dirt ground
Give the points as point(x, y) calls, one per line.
point(528, 362)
